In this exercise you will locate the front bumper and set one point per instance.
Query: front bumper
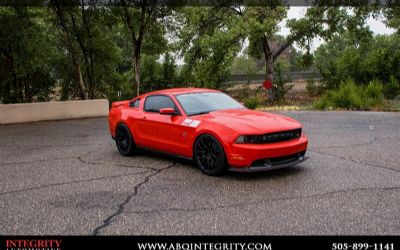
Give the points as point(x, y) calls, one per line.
point(247, 155)
point(266, 164)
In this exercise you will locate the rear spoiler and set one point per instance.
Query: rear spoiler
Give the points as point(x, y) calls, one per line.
point(119, 104)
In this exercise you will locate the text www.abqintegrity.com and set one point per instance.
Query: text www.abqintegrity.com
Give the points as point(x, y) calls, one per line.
point(205, 246)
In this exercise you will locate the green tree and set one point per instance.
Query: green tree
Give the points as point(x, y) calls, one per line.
point(151, 75)
point(244, 65)
point(156, 75)
point(212, 35)
point(209, 41)
point(168, 71)
point(144, 23)
point(66, 27)
point(27, 54)
point(262, 23)
point(90, 36)
point(392, 14)
point(280, 88)
point(344, 58)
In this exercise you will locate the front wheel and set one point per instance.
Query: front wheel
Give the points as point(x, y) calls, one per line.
point(209, 155)
point(124, 140)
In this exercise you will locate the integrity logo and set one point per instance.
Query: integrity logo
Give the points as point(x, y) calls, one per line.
point(22, 244)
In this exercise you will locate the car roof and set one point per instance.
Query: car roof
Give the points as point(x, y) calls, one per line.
point(178, 91)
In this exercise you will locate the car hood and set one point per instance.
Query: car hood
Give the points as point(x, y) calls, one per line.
point(247, 121)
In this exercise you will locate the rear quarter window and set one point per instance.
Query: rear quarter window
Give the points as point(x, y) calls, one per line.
point(135, 103)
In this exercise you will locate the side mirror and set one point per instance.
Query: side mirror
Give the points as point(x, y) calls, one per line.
point(167, 111)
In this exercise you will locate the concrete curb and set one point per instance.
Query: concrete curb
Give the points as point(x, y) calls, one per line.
point(45, 111)
point(279, 108)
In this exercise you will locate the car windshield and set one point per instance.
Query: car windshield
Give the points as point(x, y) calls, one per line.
point(205, 102)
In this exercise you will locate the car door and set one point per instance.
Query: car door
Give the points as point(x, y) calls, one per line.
point(160, 131)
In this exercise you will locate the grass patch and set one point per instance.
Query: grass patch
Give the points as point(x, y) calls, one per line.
point(392, 105)
point(251, 102)
point(353, 97)
point(391, 89)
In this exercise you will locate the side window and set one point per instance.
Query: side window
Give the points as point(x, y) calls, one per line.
point(157, 102)
point(135, 103)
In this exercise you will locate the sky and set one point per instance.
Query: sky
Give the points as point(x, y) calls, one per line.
point(377, 26)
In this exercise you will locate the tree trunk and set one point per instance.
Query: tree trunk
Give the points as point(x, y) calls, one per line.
point(77, 66)
point(17, 97)
point(82, 86)
point(269, 62)
point(137, 68)
point(269, 67)
point(70, 47)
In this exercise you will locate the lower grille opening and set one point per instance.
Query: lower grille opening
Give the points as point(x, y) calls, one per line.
point(275, 161)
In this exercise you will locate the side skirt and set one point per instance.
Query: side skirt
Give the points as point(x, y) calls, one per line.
point(164, 153)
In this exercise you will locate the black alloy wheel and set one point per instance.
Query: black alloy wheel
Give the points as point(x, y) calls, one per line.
point(124, 140)
point(209, 155)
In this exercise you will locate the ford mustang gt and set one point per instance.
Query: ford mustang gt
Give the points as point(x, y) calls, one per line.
point(208, 126)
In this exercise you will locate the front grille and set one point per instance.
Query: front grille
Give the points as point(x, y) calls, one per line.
point(275, 161)
point(279, 136)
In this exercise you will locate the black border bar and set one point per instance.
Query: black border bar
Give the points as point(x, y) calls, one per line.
point(175, 3)
point(209, 242)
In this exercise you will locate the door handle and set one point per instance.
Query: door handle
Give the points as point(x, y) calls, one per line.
point(144, 117)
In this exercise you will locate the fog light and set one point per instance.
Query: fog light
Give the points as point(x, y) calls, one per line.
point(267, 163)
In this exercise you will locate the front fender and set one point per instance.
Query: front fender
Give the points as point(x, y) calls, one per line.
point(226, 136)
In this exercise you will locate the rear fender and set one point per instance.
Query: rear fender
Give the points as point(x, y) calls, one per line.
point(115, 115)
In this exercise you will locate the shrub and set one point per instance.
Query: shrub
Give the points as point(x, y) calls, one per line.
point(251, 102)
point(372, 95)
point(392, 88)
point(313, 89)
point(281, 88)
point(350, 96)
point(344, 57)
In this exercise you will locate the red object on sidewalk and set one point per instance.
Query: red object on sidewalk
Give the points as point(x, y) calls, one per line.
point(267, 84)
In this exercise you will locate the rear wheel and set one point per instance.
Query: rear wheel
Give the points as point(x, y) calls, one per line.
point(124, 140)
point(209, 155)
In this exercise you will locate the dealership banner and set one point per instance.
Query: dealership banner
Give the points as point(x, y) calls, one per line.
point(200, 242)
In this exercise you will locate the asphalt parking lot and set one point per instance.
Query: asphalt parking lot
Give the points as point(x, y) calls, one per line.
point(66, 177)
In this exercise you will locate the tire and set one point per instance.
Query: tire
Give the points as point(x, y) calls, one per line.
point(209, 155)
point(124, 141)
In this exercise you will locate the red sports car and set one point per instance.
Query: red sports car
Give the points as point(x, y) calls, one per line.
point(208, 126)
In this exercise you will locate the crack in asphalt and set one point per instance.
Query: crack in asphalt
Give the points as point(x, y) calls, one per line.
point(243, 204)
point(350, 159)
point(121, 207)
point(113, 164)
point(33, 161)
point(31, 147)
point(38, 147)
point(355, 161)
point(80, 158)
point(76, 181)
point(71, 182)
point(10, 145)
point(43, 160)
